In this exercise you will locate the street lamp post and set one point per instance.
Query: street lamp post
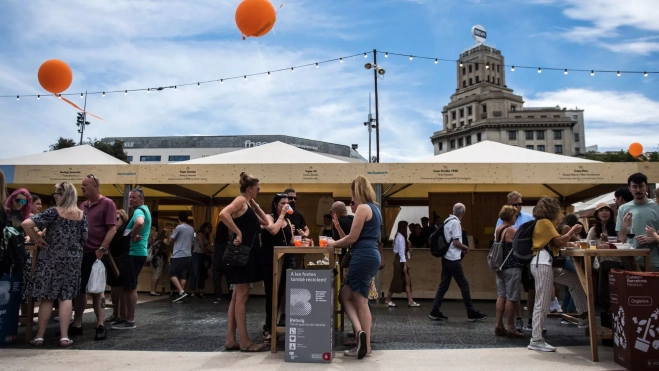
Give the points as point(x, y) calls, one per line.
point(369, 124)
point(377, 70)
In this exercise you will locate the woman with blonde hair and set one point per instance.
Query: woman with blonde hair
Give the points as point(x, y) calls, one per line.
point(546, 268)
point(364, 263)
point(57, 275)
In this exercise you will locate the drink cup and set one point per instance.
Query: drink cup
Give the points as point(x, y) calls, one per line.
point(592, 244)
point(583, 244)
point(289, 210)
point(298, 241)
point(322, 241)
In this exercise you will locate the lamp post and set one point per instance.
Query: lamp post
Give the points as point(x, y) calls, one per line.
point(369, 124)
point(377, 70)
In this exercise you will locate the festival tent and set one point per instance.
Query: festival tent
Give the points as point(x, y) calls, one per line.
point(270, 153)
point(78, 155)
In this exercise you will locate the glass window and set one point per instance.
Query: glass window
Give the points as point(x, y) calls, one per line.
point(468, 140)
point(476, 66)
point(462, 113)
point(460, 142)
point(470, 121)
point(540, 135)
point(464, 83)
point(453, 144)
point(470, 68)
point(130, 158)
point(577, 151)
point(478, 79)
point(576, 137)
point(529, 135)
point(478, 137)
point(453, 115)
point(470, 111)
point(513, 107)
point(529, 147)
point(488, 78)
point(464, 71)
point(149, 158)
point(471, 81)
point(558, 134)
point(541, 148)
point(179, 158)
point(441, 146)
point(512, 135)
point(558, 149)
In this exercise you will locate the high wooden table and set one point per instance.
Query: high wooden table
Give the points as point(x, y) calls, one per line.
point(583, 262)
point(277, 267)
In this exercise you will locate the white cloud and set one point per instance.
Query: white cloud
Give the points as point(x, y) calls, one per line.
point(613, 119)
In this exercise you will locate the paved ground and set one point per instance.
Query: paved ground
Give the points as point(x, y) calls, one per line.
point(198, 325)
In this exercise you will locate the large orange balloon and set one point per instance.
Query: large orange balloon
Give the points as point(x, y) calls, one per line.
point(255, 18)
point(635, 149)
point(55, 76)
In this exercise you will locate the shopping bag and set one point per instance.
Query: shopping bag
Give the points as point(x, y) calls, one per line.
point(10, 302)
point(96, 284)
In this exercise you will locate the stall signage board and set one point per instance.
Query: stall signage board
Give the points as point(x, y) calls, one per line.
point(309, 316)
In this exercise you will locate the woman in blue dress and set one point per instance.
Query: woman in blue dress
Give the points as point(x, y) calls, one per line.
point(364, 264)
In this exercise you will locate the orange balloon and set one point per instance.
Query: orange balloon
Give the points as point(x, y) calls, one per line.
point(55, 76)
point(255, 18)
point(635, 149)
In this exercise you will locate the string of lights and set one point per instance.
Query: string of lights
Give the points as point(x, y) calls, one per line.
point(513, 67)
point(317, 65)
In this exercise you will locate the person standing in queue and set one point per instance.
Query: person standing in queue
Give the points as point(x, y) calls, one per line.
point(243, 216)
point(364, 263)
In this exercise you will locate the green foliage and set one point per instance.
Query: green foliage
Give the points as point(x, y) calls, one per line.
point(621, 156)
point(115, 150)
point(62, 143)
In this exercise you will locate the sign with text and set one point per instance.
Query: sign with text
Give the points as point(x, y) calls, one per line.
point(309, 316)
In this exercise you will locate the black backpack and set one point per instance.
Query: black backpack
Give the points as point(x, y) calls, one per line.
point(523, 242)
point(12, 251)
point(438, 244)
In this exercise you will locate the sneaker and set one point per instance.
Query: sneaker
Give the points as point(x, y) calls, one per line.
point(476, 316)
point(529, 328)
point(153, 293)
point(541, 346)
point(125, 325)
point(437, 316)
point(519, 325)
point(565, 322)
point(217, 301)
point(100, 333)
point(180, 297)
point(583, 323)
point(73, 331)
point(117, 322)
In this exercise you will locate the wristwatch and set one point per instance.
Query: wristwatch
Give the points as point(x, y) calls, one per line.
point(102, 249)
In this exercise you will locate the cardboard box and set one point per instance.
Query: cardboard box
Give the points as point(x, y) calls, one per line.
point(309, 316)
point(635, 313)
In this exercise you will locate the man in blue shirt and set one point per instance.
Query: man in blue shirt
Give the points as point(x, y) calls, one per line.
point(515, 199)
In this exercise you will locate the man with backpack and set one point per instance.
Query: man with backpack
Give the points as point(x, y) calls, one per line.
point(449, 241)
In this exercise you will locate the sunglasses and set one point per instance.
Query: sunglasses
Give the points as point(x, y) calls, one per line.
point(517, 205)
point(93, 177)
point(20, 201)
point(292, 198)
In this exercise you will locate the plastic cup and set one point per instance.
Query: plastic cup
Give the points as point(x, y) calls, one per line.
point(592, 244)
point(297, 240)
point(289, 210)
point(583, 244)
point(322, 241)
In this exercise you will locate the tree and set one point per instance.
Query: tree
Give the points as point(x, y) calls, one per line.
point(62, 143)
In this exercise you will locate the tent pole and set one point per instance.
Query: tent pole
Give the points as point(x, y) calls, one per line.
point(378, 199)
point(126, 193)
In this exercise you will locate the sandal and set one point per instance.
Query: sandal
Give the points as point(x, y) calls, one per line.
point(414, 304)
point(514, 333)
point(500, 331)
point(232, 347)
point(252, 348)
point(67, 342)
point(36, 342)
point(391, 304)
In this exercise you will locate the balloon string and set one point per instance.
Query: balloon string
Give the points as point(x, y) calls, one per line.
point(74, 105)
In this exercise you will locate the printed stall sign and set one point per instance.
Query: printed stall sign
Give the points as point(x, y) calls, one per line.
point(309, 316)
point(635, 313)
point(10, 302)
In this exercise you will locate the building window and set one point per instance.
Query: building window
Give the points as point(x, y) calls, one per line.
point(462, 113)
point(529, 135)
point(470, 111)
point(558, 149)
point(540, 135)
point(468, 139)
point(543, 116)
point(541, 148)
point(453, 144)
point(471, 81)
point(512, 135)
point(464, 83)
point(462, 123)
point(478, 79)
point(455, 126)
point(470, 68)
point(460, 142)
point(478, 137)
point(179, 158)
point(470, 121)
point(529, 147)
point(577, 151)
point(149, 158)
point(453, 115)
point(441, 146)
point(531, 117)
point(476, 66)
point(575, 118)
point(558, 134)
point(557, 116)
point(513, 107)
point(518, 117)
point(576, 137)
point(488, 78)
point(464, 71)
point(484, 108)
point(498, 81)
point(130, 158)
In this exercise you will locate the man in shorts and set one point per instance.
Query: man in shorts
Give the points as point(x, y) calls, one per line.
point(179, 266)
point(136, 237)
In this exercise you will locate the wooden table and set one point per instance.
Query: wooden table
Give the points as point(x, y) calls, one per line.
point(277, 267)
point(583, 262)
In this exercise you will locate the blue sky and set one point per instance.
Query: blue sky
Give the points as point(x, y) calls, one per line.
point(138, 44)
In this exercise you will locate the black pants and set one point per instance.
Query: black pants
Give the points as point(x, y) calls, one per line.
point(267, 257)
point(453, 269)
point(604, 293)
point(217, 269)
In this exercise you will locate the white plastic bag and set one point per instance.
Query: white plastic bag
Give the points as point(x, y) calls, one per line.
point(96, 284)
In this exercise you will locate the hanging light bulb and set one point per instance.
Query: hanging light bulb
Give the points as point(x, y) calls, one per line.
point(487, 65)
point(645, 74)
point(512, 68)
point(80, 95)
point(341, 60)
point(175, 87)
point(592, 73)
point(125, 92)
point(292, 69)
point(245, 77)
point(221, 81)
point(38, 97)
point(365, 56)
point(198, 85)
point(436, 61)
point(316, 65)
point(539, 70)
point(565, 72)
point(411, 57)
point(386, 55)
point(148, 90)
point(618, 73)
point(269, 74)
point(103, 94)
point(18, 97)
point(59, 95)
point(460, 63)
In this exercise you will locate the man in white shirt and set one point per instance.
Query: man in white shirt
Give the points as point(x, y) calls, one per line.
point(452, 268)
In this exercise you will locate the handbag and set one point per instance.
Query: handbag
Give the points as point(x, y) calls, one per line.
point(237, 256)
point(495, 257)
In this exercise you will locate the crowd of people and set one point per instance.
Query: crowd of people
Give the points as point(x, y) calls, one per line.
point(72, 237)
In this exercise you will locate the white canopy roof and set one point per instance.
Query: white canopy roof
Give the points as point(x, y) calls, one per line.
point(271, 153)
point(78, 155)
point(493, 152)
point(590, 205)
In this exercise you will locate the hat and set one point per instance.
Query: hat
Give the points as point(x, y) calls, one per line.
point(600, 206)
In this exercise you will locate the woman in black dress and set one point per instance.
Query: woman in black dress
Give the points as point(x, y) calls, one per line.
point(278, 233)
point(244, 217)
